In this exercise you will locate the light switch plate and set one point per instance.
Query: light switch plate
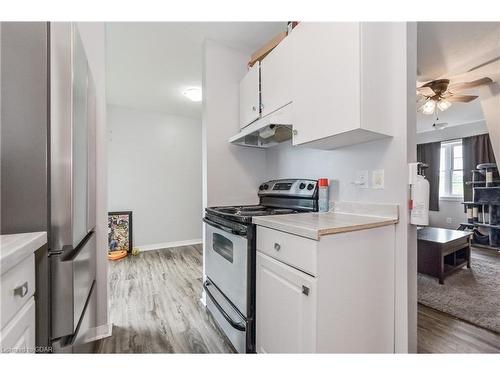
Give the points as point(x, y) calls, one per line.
point(378, 179)
point(362, 179)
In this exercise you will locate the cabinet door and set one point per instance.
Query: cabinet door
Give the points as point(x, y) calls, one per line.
point(18, 336)
point(326, 80)
point(276, 77)
point(286, 308)
point(250, 96)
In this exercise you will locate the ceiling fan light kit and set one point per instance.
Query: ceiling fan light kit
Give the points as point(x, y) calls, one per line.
point(429, 107)
point(443, 105)
point(440, 94)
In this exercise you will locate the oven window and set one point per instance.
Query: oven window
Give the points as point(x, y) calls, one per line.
point(223, 246)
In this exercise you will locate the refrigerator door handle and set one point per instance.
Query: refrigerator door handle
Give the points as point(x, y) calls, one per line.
point(72, 276)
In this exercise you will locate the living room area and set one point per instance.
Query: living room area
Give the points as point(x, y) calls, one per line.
point(458, 139)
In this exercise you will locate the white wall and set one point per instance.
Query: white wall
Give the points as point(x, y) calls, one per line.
point(490, 102)
point(453, 132)
point(450, 214)
point(232, 174)
point(93, 36)
point(392, 155)
point(154, 170)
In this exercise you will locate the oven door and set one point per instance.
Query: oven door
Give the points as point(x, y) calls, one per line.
point(226, 258)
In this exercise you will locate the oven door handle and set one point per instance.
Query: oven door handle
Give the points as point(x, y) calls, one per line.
point(235, 325)
point(222, 227)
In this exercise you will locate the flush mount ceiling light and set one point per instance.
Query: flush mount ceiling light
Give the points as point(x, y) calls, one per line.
point(193, 94)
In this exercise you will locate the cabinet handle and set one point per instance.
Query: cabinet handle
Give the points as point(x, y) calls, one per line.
point(305, 290)
point(22, 290)
point(277, 246)
point(254, 108)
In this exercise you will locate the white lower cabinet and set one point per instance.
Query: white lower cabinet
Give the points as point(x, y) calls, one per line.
point(18, 336)
point(285, 308)
point(343, 303)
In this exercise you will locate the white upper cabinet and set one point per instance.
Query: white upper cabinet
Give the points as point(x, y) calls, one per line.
point(276, 76)
point(340, 78)
point(340, 72)
point(250, 96)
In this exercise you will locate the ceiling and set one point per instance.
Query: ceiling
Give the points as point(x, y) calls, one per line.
point(150, 64)
point(455, 49)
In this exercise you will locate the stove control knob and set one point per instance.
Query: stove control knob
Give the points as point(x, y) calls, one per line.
point(266, 186)
point(310, 186)
point(263, 187)
point(302, 186)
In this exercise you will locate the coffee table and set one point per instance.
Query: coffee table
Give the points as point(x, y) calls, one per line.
point(442, 251)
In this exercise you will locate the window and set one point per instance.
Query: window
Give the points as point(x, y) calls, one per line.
point(451, 170)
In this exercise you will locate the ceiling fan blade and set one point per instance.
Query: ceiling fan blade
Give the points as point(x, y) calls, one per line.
point(469, 85)
point(461, 98)
point(425, 90)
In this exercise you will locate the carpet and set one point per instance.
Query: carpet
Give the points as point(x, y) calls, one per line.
point(472, 294)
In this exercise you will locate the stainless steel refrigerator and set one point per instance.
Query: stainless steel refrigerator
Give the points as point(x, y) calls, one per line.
point(48, 171)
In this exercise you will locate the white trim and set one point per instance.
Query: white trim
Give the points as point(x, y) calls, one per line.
point(166, 245)
point(452, 198)
point(100, 332)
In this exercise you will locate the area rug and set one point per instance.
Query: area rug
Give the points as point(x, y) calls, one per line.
point(472, 294)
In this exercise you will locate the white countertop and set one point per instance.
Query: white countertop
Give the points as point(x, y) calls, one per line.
point(16, 247)
point(314, 224)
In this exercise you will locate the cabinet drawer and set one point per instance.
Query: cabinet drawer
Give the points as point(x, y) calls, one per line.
point(18, 285)
point(296, 251)
point(19, 335)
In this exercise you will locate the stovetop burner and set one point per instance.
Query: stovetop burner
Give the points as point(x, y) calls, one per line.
point(276, 197)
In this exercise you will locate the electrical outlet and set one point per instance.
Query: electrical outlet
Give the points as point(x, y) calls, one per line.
point(449, 220)
point(378, 179)
point(362, 179)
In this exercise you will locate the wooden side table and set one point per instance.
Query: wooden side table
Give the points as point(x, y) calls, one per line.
point(442, 251)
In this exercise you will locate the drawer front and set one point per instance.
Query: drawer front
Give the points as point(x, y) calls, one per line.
point(18, 285)
point(296, 251)
point(19, 335)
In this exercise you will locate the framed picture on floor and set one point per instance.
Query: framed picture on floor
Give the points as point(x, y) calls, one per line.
point(120, 231)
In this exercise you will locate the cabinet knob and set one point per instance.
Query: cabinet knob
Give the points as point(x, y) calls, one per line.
point(305, 290)
point(277, 246)
point(254, 108)
point(22, 290)
point(295, 132)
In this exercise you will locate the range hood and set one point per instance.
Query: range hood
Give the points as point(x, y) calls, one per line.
point(267, 131)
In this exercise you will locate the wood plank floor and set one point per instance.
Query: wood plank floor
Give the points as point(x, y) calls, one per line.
point(442, 333)
point(155, 308)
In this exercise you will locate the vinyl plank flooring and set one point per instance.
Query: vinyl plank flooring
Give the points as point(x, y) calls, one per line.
point(442, 333)
point(154, 305)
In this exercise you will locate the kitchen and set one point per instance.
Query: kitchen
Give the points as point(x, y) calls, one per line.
point(307, 241)
point(281, 85)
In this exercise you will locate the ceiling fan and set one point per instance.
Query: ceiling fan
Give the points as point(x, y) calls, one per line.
point(440, 94)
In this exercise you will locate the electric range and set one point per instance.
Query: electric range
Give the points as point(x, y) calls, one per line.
point(230, 254)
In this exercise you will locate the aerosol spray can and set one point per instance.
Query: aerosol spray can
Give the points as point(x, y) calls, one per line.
point(323, 195)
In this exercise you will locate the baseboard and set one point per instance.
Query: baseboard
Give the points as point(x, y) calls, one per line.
point(166, 245)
